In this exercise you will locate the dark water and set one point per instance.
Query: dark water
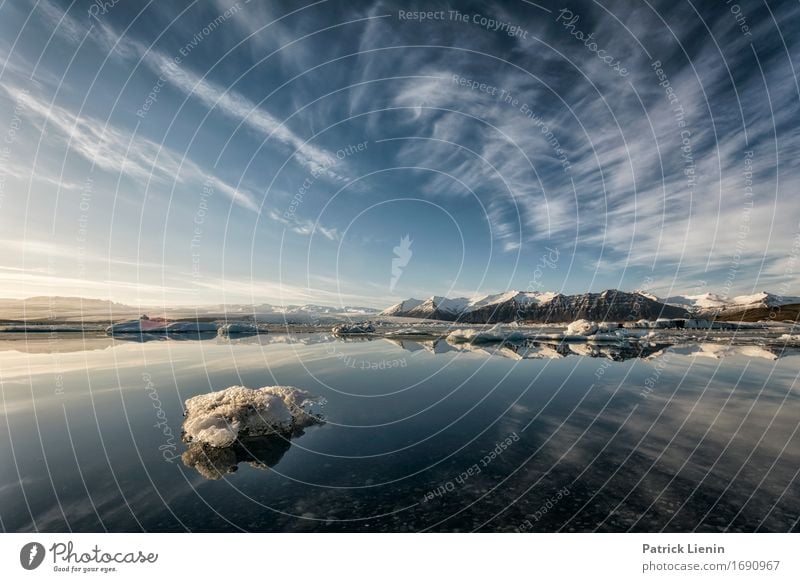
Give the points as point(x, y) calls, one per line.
point(419, 436)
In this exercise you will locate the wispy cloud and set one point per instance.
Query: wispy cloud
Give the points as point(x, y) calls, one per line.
point(225, 100)
point(304, 227)
point(120, 151)
point(243, 110)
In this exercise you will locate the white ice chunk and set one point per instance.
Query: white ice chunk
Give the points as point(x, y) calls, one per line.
point(219, 418)
point(355, 329)
point(582, 327)
point(497, 333)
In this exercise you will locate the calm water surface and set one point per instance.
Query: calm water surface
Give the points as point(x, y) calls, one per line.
point(419, 436)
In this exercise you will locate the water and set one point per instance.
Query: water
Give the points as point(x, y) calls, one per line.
point(419, 436)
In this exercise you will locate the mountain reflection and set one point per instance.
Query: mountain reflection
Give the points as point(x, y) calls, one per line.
point(535, 350)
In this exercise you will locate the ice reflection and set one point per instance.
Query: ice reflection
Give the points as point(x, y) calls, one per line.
point(216, 462)
point(536, 350)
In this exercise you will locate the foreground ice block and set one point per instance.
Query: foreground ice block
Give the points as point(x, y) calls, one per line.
point(221, 418)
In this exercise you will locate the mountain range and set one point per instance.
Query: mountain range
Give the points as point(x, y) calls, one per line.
point(712, 302)
point(609, 305)
point(47, 309)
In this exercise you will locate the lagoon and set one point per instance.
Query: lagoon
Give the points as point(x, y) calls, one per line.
point(419, 435)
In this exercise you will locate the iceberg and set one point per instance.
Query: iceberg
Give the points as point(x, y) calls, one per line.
point(581, 330)
point(608, 327)
point(496, 333)
point(582, 327)
point(147, 325)
point(190, 327)
point(142, 325)
point(639, 324)
point(219, 419)
point(237, 328)
point(355, 329)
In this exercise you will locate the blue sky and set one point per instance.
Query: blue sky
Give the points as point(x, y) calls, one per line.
point(210, 152)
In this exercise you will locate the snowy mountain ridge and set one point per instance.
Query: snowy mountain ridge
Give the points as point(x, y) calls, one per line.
point(459, 305)
point(612, 305)
point(536, 306)
point(714, 301)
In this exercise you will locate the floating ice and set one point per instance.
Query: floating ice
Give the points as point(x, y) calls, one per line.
point(582, 327)
point(237, 328)
point(608, 326)
point(581, 330)
point(641, 324)
point(146, 325)
point(220, 418)
point(497, 333)
point(143, 325)
point(355, 329)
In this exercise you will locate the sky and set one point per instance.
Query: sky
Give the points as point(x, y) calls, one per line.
point(360, 153)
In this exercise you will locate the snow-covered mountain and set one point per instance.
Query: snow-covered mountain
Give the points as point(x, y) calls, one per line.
point(270, 309)
point(63, 308)
point(713, 303)
point(511, 306)
point(437, 307)
point(403, 306)
point(52, 309)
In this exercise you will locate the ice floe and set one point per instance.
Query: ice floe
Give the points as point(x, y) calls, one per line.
point(582, 327)
point(237, 328)
point(219, 419)
point(147, 325)
point(581, 330)
point(496, 333)
point(353, 329)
